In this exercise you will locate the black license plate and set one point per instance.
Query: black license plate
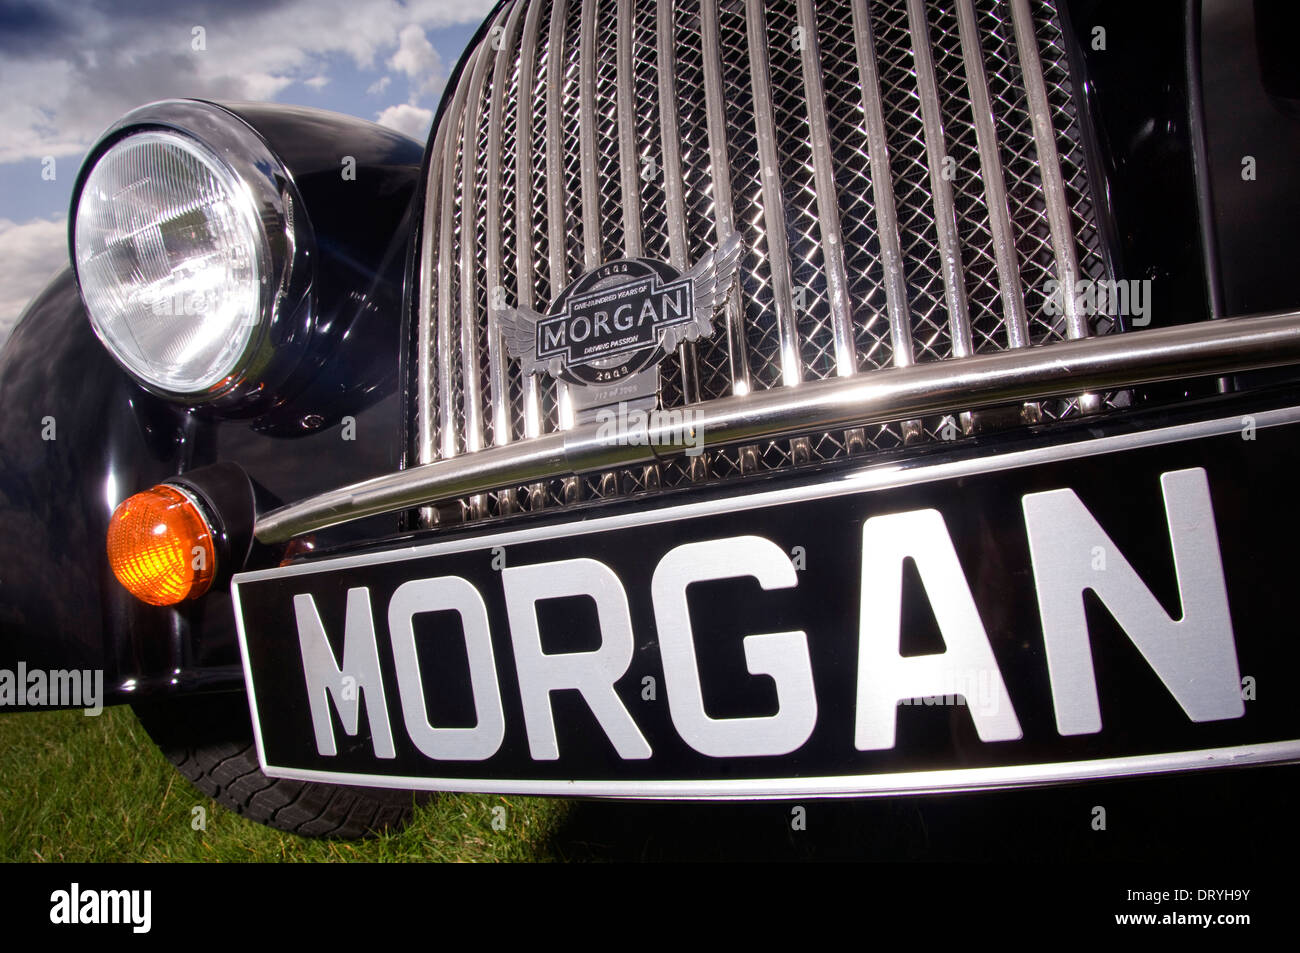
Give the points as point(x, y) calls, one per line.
point(1117, 606)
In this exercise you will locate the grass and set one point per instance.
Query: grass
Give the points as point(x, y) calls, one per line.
point(77, 788)
point(74, 788)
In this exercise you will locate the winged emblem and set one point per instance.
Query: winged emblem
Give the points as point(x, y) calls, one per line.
point(710, 281)
point(519, 331)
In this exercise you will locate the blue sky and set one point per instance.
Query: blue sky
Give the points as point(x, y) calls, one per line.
point(69, 69)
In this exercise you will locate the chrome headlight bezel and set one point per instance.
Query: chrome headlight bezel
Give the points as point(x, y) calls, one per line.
point(284, 319)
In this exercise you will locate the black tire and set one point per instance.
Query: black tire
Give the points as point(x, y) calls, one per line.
point(209, 739)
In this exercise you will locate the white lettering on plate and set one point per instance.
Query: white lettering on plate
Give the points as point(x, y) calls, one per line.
point(1194, 656)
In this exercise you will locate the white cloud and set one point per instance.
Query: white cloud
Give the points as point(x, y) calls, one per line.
point(379, 85)
point(65, 85)
point(405, 118)
point(417, 58)
point(317, 82)
point(30, 254)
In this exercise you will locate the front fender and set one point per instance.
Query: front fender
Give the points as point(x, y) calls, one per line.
point(78, 435)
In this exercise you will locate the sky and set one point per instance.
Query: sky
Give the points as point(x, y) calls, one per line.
point(69, 68)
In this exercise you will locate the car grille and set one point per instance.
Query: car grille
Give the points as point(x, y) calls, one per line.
point(593, 130)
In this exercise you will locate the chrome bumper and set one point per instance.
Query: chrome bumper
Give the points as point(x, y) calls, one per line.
point(1211, 348)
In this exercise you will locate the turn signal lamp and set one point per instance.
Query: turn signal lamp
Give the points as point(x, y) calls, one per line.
point(160, 547)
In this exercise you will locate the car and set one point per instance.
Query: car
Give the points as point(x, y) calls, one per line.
point(731, 400)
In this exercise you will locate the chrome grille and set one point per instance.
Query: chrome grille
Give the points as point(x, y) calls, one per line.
point(581, 131)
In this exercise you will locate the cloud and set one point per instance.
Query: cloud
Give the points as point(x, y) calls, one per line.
point(317, 82)
point(30, 254)
point(379, 85)
point(417, 58)
point(413, 121)
point(68, 74)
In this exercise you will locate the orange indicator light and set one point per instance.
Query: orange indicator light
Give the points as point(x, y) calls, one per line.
point(160, 547)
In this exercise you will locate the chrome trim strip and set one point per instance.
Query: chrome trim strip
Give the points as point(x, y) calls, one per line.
point(591, 243)
point(995, 191)
point(945, 214)
point(1228, 345)
point(862, 785)
point(828, 203)
point(556, 243)
point(524, 263)
point(470, 382)
point(629, 165)
point(1049, 164)
point(873, 479)
point(778, 251)
point(720, 173)
point(496, 118)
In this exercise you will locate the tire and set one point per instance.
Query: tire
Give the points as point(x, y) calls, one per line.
point(209, 739)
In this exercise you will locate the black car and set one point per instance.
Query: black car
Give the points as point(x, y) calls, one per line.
point(732, 400)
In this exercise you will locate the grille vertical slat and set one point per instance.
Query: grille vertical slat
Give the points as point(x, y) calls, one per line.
point(894, 273)
point(608, 149)
point(712, 354)
point(591, 236)
point(1058, 214)
point(557, 242)
point(1018, 154)
point(828, 212)
point(1013, 300)
point(1064, 120)
point(1058, 210)
point(470, 314)
point(678, 252)
point(911, 181)
point(773, 201)
point(426, 383)
point(581, 131)
point(628, 166)
point(720, 168)
point(448, 424)
point(502, 424)
point(945, 215)
point(796, 173)
point(666, 50)
point(525, 215)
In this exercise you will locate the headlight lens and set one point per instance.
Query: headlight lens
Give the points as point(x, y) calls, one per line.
point(172, 260)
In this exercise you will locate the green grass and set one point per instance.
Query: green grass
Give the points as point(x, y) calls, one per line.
point(78, 788)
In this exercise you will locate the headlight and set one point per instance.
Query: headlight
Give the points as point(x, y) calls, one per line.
point(190, 253)
point(171, 259)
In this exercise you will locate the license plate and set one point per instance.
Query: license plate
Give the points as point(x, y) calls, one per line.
point(1116, 606)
